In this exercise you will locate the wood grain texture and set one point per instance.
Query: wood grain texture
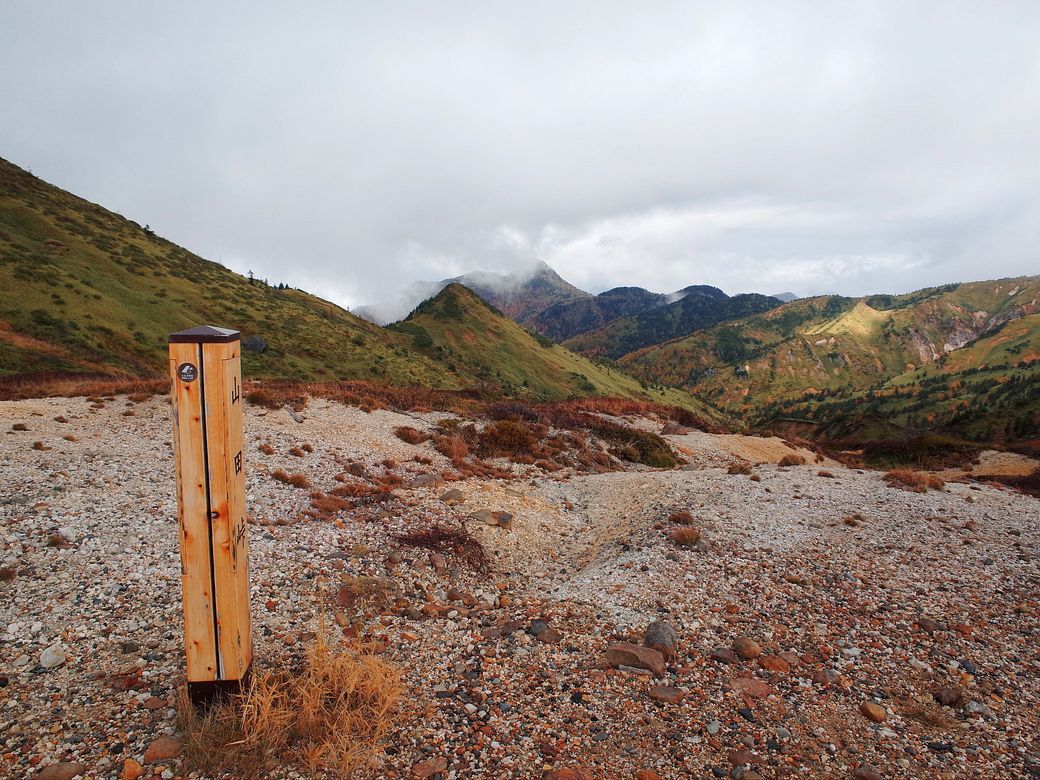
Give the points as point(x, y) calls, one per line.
point(196, 578)
point(227, 507)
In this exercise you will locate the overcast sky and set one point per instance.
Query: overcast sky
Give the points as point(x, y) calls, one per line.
point(350, 149)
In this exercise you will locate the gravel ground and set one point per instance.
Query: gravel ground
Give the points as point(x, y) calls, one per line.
point(820, 620)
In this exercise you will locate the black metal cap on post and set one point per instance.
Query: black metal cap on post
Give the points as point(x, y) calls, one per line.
point(205, 334)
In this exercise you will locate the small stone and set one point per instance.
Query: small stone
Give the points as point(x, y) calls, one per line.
point(714, 727)
point(826, 677)
point(65, 770)
point(163, 749)
point(774, 663)
point(628, 654)
point(867, 773)
point(873, 712)
point(742, 757)
point(453, 497)
point(666, 694)
point(746, 648)
point(430, 767)
point(751, 686)
point(948, 696)
point(661, 636)
point(724, 656)
point(929, 626)
point(53, 657)
point(549, 636)
point(569, 773)
point(395, 557)
point(537, 627)
point(438, 562)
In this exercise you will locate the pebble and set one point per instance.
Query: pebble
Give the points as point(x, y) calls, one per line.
point(53, 657)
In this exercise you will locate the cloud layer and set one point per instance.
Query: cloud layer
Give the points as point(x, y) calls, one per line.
point(353, 149)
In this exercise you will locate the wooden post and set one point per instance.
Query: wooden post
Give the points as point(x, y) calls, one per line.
point(205, 365)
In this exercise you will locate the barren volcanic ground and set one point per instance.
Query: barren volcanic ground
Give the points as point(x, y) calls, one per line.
point(828, 625)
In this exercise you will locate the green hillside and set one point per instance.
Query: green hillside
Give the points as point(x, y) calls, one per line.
point(961, 357)
point(84, 290)
point(473, 338)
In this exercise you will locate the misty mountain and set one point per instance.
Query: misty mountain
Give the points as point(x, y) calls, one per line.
point(520, 295)
point(786, 297)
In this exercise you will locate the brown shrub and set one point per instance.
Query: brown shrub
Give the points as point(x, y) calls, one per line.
point(325, 507)
point(297, 452)
point(506, 438)
point(791, 460)
point(39, 445)
point(307, 447)
point(449, 540)
point(69, 437)
point(296, 480)
point(755, 478)
point(7, 573)
point(452, 447)
point(388, 463)
point(685, 536)
point(266, 448)
point(826, 474)
point(43, 384)
point(740, 468)
point(681, 517)
point(19, 427)
point(61, 419)
point(410, 435)
point(917, 481)
point(332, 716)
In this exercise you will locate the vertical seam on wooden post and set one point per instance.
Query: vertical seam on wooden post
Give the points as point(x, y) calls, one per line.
point(209, 512)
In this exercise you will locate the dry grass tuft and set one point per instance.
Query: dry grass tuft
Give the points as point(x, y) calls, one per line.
point(333, 715)
point(685, 536)
point(39, 445)
point(681, 517)
point(449, 541)
point(791, 460)
point(19, 427)
point(410, 435)
point(7, 573)
point(826, 474)
point(69, 437)
point(739, 468)
point(296, 480)
point(917, 481)
point(296, 452)
point(266, 448)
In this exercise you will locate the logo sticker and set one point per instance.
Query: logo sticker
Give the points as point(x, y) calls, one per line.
point(187, 372)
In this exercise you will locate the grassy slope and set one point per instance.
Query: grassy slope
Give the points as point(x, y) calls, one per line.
point(886, 357)
point(83, 289)
point(460, 328)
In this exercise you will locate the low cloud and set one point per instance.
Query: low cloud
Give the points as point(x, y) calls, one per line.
point(353, 150)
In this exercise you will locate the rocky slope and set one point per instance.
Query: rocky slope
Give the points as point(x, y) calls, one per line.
point(826, 624)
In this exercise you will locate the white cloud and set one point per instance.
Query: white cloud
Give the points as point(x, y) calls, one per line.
point(352, 149)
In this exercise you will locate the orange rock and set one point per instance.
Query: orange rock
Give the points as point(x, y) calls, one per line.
point(628, 654)
point(872, 712)
point(648, 774)
point(430, 767)
point(131, 770)
point(774, 663)
point(569, 773)
point(750, 686)
point(163, 748)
